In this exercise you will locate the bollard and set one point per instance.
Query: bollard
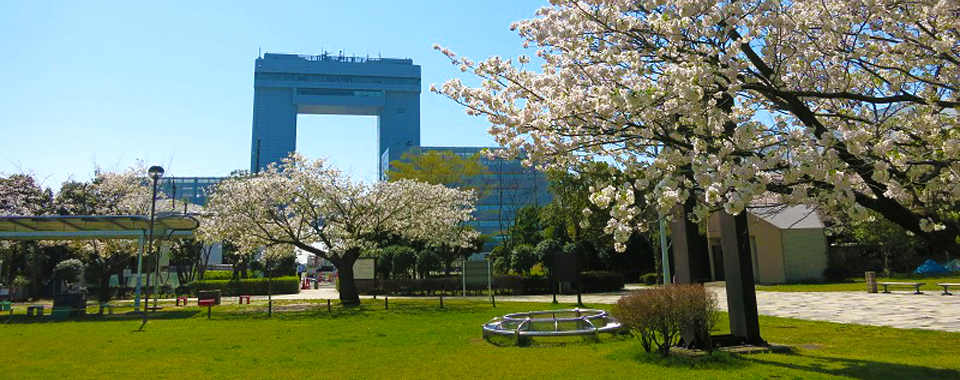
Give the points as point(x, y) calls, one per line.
point(329, 309)
point(386, 303)
point(871, 278)
point(209, 307)
point(441, 301)
point(493, 299)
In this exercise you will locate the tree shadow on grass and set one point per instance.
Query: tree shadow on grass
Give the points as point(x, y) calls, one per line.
point(160, 315)
point(319, 310)
point(716, 360)
point(859, 369)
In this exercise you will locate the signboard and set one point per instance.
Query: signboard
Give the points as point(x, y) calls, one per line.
point(565, 267)
point(365, 268)
point(476, 273)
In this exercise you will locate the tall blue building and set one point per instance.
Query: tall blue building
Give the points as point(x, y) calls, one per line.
point(286, 85)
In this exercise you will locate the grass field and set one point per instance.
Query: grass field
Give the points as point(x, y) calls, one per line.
point(416, 339)
point(859, 284)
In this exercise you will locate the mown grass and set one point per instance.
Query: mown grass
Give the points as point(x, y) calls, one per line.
point(860, 285)
point(416, 339)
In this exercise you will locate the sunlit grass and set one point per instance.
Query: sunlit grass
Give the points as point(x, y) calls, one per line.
point(417, 339)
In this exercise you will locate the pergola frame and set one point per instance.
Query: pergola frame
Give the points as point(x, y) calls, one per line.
point(100, 227)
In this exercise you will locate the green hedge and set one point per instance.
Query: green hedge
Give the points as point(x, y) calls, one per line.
point(507, 284)
point(250, 286)
point(213, 275)
point(601, 281)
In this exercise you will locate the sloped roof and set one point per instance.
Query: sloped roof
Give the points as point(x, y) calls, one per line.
point(79, 227)
point(788, 217)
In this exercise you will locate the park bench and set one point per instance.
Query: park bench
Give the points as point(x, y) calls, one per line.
point(208, 303)
point(183, 299)
point(915, 285)
point(108, 307)
point(946, 287)
point(244, 297)
point(37, 308)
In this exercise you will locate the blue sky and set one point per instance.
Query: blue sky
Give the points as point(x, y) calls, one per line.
point(171, 82)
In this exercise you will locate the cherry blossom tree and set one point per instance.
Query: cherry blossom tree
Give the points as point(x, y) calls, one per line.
point(20, 195)
point(848, 105)
point(316, 208)
point(123, 192)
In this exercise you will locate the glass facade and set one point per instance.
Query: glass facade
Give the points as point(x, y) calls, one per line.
point(507, 187)
point(190, 189)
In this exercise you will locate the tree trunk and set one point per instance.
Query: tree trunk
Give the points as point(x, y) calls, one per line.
point(349, 296)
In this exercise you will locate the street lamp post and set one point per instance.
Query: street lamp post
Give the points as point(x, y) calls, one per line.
point(155, 173)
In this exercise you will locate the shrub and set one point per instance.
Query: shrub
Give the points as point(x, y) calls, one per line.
point(68, 270)
point(523, 258)
point(250, 286)
point(601, 281)
point(836, 274)
point(21, 281)
point(650, 278)
point(397, 260)
point(500, 258)
point(545, 251)
point(657, 317)
point(213, 275)
point(428, 261)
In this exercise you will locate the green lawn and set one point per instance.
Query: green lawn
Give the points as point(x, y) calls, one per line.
point(415, 339)
point(859, 284)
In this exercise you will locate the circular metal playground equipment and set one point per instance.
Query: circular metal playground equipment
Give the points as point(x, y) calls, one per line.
point(567, 322)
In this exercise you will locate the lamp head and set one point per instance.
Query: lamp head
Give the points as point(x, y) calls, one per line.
point(155, 172)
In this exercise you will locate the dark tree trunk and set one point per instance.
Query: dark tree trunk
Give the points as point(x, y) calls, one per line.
point(349, 296)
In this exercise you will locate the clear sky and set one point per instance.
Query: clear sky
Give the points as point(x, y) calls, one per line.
point(171, 82)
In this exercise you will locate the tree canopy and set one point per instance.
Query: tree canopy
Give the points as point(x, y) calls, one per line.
point(847, 105)
point(313, 207)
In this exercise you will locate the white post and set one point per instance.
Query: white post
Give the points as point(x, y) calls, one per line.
point(136, 301)
point(489, 280)
point(665, 258)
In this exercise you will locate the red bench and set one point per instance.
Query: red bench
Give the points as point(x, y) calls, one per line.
point(244, 297)
point(208, 303)
point(184, 299)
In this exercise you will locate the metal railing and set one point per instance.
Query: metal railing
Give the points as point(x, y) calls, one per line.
point(566, 322)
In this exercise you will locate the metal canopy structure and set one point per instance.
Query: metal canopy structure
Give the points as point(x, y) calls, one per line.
point(87, 227)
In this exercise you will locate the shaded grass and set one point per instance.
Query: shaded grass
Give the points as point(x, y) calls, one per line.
point(416, 339)
point(860, 285)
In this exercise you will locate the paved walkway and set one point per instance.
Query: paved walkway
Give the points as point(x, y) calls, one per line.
point(900, 309)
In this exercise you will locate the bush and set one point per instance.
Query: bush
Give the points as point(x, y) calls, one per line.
point(500, 258)
point(523, 258)
point(249, 286)
point(428, 261)
point(601, 281)
point(545, 251)
point(836, 274)
point(650, 279)
point(68, 270)
point(657, 317)
point(213, 275)
point(424, 286)
point(396, 261)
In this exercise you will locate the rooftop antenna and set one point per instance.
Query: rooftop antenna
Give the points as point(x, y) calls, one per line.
point(259, 52)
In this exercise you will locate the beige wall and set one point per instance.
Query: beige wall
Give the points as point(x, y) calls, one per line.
point(806, 254)
point(766, 240)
